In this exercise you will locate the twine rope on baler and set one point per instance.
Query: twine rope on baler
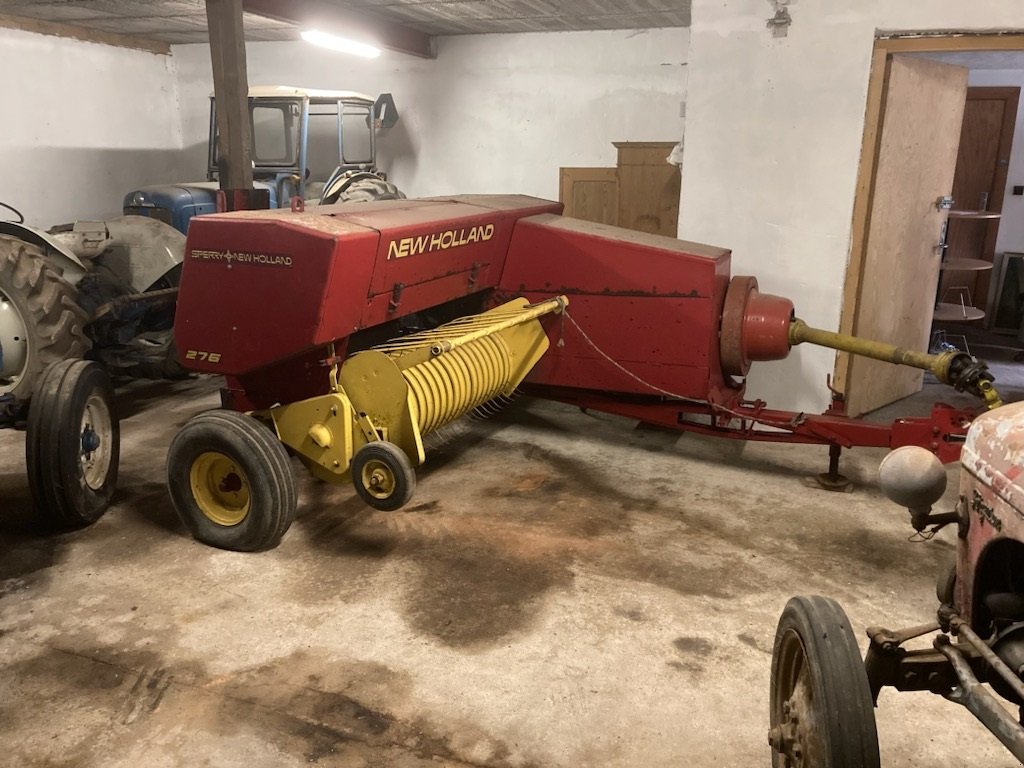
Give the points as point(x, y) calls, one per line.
point(654, 387)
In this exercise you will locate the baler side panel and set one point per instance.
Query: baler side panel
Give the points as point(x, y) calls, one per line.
point(645, 336)
point(653, 304)
point(433, 254)
point(254, 290)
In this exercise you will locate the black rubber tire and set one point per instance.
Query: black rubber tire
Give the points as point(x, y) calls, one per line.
point(403, 476)
point(64, 495)
point(266, 471)
point(365, 189)
point(55, 324)
point(815, 651)
point(167, 367)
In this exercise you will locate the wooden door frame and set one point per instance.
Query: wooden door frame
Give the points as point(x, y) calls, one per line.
point(884, 47)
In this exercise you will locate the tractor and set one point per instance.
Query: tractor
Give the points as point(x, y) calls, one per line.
point(98, 290)
point(822, 694)
point(106, 290)
point(284, 120)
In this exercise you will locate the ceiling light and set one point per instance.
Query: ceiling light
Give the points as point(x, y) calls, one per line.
point(343, 44)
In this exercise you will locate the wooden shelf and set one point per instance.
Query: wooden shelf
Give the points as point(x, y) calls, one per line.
point(973, 215)
point(946, 312)
point(965, 265)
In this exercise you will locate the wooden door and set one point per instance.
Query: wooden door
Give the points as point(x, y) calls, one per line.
point(923, 108)
point(591, 194)
point(982, 162)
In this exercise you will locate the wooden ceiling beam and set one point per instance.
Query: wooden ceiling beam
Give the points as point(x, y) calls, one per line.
point(316, 14)
point(84, 34)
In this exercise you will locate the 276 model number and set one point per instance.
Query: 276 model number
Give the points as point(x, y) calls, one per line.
point(209, 357)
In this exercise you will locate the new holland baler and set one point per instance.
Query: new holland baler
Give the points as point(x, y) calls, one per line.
point(347, 333)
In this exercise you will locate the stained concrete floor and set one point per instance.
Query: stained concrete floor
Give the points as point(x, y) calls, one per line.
point(564, 590)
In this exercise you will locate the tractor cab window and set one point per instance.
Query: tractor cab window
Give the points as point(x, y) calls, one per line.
point(357, 142)
point(275, 133)
point(276, 129)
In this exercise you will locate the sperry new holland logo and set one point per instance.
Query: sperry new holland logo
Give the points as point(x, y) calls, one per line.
point(244, 257)
point(439, 241)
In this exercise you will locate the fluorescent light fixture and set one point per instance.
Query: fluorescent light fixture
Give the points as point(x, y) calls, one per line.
point(343, 44)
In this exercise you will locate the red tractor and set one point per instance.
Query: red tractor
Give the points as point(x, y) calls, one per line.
point(347, 333)
point(822, 694)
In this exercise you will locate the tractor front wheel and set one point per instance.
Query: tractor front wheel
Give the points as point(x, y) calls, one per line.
point(821, 714)
point(72, 445)
point(40, 322)
point(383, 476)
point(231, 482)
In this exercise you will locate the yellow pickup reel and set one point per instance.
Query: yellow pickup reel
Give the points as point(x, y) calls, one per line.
point(370, 427)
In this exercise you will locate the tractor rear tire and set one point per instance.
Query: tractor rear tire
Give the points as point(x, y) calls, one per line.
point(47, 324)
point(231, 482)
point(365, 190)
point(368, 190)
point(72, 445)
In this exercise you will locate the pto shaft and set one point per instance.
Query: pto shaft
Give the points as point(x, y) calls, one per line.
point(958, 369)
point(759, 326)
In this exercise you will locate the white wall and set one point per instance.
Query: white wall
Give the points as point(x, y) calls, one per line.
point(492, 113)
point(83, 124)
point(1011, 225)
point(773, 138)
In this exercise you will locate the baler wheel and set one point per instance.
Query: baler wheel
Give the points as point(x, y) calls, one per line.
point(231, 482)
point(72, 445)
point(383, 475)
point(822, 713)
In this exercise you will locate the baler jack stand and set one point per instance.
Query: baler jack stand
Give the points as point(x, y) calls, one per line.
point(832, 480)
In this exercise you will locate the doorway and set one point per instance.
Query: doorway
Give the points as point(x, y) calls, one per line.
point(917, 101)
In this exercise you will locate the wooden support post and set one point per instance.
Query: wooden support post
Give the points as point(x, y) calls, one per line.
point(231, 90)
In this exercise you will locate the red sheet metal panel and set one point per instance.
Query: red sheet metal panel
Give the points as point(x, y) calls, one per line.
point(253, 287)
point(260, 287)
point(650, 303)
point(440, 250)
point(992, 486)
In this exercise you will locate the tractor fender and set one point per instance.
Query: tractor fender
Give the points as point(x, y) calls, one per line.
point(138, 249)
point(62, 258)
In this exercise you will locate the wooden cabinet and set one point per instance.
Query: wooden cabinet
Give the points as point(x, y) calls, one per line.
point(648, 187)
point(641, 192)
point(591, 194)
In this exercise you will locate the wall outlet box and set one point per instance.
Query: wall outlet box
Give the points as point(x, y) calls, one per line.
point(1018, 189)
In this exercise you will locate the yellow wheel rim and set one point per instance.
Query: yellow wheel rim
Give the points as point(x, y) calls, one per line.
point(378, 479)
point(220, 488)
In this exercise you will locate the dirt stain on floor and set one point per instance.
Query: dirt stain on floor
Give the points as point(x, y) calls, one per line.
point(483, 557)
point(140, 707)
point(690, 646)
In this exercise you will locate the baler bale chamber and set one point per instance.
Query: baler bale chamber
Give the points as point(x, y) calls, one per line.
point(347, 333)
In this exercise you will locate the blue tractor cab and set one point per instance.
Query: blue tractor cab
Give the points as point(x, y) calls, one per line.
point(299, 135)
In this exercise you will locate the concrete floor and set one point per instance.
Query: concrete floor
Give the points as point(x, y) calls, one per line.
point(564, 590)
